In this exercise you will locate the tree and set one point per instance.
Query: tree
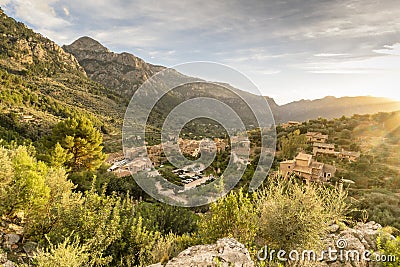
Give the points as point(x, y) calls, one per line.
point(82, 143)
point(233, 215)
point(59, 156)
point(25, 189)
point(291, 144)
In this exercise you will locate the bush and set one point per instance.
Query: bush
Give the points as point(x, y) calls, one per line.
point(167, 219)
point(390, 247)
point(295, 216)
point(284, 215)
point(231, 216)
point(65, 254)
point(22, 185)
point(382, 207)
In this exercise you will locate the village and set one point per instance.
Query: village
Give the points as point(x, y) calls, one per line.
point(303, 165)
point(192, 175)
point(307, 167)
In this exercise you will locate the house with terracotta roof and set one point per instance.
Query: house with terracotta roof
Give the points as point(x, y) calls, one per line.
point(290, 124)
point(304, 166)
point(317, 137)
point(329, 149)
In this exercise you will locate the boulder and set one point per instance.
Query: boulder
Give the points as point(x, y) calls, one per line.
point(226, 252)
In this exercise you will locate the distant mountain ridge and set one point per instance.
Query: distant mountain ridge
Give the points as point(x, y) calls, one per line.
point(332, 107)
point(124, 73)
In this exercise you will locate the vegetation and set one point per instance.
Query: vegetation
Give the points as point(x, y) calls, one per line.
point(390, 251)
point(285, 215)
point(291, 144)
point(56, 126)
point(77, 145)
point(376, 173)
point(91, 228)
point(96, 229)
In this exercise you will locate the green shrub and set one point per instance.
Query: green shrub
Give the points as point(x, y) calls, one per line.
point(167, 219)
point(293, 215)
point(23, 181)
point(389, 247)
point(66, 254)
point(283, 215)
point(231, 216)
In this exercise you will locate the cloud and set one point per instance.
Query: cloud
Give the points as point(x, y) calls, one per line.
point(389, 50)
point(38, 13)
point(377, 64)
point(288, 38)
point(266, 71)
point(329, 55)
point(66, 11)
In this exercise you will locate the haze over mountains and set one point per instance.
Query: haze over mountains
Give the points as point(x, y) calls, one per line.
point(124, 73)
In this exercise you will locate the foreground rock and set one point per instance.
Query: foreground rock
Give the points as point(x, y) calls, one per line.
point(229, 252)
point(13, 251)
point(226, 252)
point(361, 238)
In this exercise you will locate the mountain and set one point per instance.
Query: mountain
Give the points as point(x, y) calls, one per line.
point(40, 79)
point(42, 82)
point(124, 72)
point(332, 107)
point(24, 51)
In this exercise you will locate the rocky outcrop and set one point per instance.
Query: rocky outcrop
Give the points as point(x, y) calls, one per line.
point(361, 238)
point(23, 49)
point(229, 252)
point(226, 252)
point(123, 73)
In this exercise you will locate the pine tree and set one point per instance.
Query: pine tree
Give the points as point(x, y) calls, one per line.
point(81, 144)
point(59, 156)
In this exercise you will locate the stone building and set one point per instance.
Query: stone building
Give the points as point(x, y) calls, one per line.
point(290, 124)
point(304, 166)
point(316, 137)
point(323, 148)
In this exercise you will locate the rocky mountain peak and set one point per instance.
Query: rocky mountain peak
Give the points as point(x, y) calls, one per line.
point(122, 72)
point(87, 43)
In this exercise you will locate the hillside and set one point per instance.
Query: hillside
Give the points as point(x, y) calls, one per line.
point(41, 84)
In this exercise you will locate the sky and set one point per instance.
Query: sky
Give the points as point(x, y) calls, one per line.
point(291, 50)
